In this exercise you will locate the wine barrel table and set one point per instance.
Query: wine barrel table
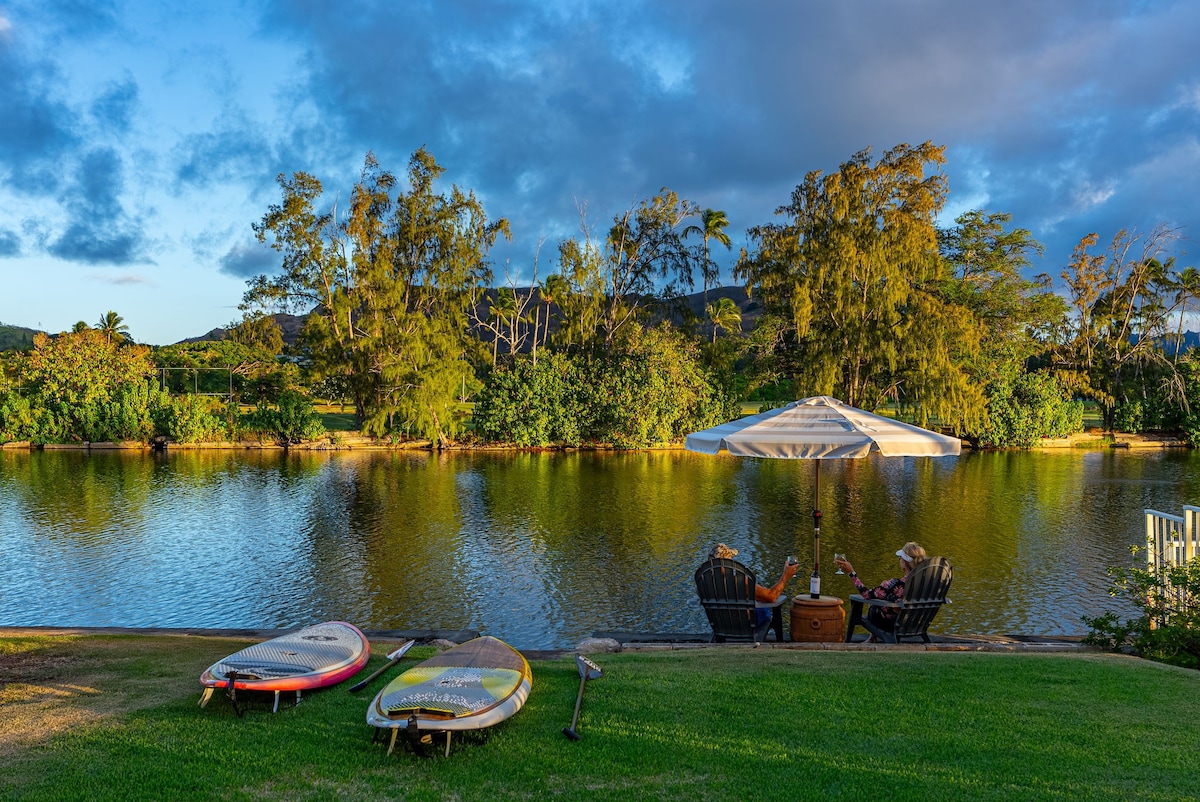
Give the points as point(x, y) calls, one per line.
point(819, 620)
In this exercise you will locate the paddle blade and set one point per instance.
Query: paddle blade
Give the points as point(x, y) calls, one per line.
point(588, 669)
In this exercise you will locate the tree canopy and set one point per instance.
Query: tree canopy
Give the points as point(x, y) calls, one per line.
point(855, 279)
point(390, 280)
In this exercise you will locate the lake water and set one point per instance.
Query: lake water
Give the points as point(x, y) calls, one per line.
point(542, 549)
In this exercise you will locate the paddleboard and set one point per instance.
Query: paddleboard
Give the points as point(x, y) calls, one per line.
point(309, 658)
point(472, 686)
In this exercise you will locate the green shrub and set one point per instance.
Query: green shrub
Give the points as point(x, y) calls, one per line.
point(192, 419)
point(1168, 628)
point(532, 405)
point(293, 420)
point(1030, 407)
point(650, 388)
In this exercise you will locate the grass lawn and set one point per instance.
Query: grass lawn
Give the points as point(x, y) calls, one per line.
point(115, 717)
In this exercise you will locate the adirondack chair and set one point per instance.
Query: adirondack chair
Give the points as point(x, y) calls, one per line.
point(925, 591)
point(726, 591)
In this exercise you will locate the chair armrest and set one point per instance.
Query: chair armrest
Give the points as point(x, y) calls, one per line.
point(874, 602)
point(775, 603)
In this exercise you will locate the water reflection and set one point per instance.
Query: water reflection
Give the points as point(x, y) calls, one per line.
point(542, 549)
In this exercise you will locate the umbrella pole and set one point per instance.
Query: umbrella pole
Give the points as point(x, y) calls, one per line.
point(814, 582)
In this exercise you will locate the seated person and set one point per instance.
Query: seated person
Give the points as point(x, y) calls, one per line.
point(910, 556)
point(761, 594)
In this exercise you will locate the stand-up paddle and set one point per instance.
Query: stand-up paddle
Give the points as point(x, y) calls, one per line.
point(393, 658)
point(587, 670)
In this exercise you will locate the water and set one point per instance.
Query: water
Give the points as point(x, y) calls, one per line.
point(543, 549)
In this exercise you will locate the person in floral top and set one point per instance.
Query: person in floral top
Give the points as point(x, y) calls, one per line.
point(910, 556)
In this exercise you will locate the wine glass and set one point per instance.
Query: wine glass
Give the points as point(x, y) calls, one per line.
point(838, 556)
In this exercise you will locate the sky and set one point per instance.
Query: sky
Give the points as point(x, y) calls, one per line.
point(141, 139)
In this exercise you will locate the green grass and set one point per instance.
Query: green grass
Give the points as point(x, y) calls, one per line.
point(712, 724)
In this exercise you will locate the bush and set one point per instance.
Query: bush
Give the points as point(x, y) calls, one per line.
point(1168, 629)
point(1030, 407)
point(192, 419)
point(532, 405)
point(292, 421)
point(650, 388)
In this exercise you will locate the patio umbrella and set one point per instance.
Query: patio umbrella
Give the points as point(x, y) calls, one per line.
point(820, 428)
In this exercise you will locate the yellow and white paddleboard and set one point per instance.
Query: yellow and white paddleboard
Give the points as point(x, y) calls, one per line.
point(474, 685)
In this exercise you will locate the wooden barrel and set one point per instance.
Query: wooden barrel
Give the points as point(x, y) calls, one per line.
point(820, 620)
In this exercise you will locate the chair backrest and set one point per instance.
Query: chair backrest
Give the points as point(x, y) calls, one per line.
point(726, 591)
point(925, 590)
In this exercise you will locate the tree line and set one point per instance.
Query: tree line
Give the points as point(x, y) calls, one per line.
point(862, 296)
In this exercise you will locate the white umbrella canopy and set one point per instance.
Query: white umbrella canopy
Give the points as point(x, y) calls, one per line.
point(820, 428)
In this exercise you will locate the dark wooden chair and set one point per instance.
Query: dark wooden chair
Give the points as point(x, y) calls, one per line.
point(726, 591)
point(924, 594)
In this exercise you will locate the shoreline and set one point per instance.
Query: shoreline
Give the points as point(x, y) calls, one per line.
point(1086, 441)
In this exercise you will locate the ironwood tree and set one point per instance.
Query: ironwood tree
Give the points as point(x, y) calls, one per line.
point(1122, 304)
point(390, 281)
point(854, 278)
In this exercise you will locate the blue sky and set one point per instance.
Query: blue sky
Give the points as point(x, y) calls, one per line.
point(140, 140)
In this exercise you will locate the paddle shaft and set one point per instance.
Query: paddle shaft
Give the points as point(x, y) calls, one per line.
point(570, 731)
point(394, 658)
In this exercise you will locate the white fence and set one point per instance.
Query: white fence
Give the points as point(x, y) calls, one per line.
point(1171, 539)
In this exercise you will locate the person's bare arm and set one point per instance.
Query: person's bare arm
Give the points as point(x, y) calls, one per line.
point(772, 593)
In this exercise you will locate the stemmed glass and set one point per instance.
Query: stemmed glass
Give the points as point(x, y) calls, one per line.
point(836, 558)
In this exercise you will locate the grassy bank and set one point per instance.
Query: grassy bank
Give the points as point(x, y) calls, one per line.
point(115, 717)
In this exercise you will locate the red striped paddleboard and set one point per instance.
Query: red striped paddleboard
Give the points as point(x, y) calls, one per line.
point(307, 659)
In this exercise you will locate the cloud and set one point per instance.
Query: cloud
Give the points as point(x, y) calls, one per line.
point(250, 259)
point(38, 127)
point(99, 231)
point(123, 279)
point(113, 109)
point(234, 150)
point(10, 244)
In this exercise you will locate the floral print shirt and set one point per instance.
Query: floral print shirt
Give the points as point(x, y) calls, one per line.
point(890, 590)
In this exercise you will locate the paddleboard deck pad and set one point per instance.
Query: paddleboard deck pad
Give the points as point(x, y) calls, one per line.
point(470, 687)
point(307, 659)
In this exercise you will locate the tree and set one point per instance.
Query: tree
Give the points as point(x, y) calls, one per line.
point(712, 226)
point(987, 264)
point(855, 275)
point(258, 331)
point(642, 262)
point(1187, 291)
point(87, 386)
point(390, 282)
point(112, 326)
point(553, 292)
point(1110, 348)
point(724, 314)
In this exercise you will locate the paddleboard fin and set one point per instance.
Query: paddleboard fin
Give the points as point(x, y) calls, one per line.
point(231, 692)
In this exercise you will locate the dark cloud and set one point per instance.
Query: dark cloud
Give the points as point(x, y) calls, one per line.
point(113, 109)
point(10, 244)
point(1043, 107)
point(36, 126)
point(235, 150)
point(100, 231)
point(248, 260)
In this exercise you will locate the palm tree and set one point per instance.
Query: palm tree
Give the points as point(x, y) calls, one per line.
point(504, 308)
point(724, 314)
point(712, 226)
point(553, 291)
point(80, 326)
point(1187, 289)
point(113, 326)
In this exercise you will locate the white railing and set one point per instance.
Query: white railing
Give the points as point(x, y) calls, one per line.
point(1172, 539)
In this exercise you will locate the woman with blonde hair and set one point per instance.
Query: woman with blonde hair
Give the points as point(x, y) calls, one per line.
point(910, 556)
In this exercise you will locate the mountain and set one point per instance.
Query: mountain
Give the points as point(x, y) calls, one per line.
point(16, 337)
